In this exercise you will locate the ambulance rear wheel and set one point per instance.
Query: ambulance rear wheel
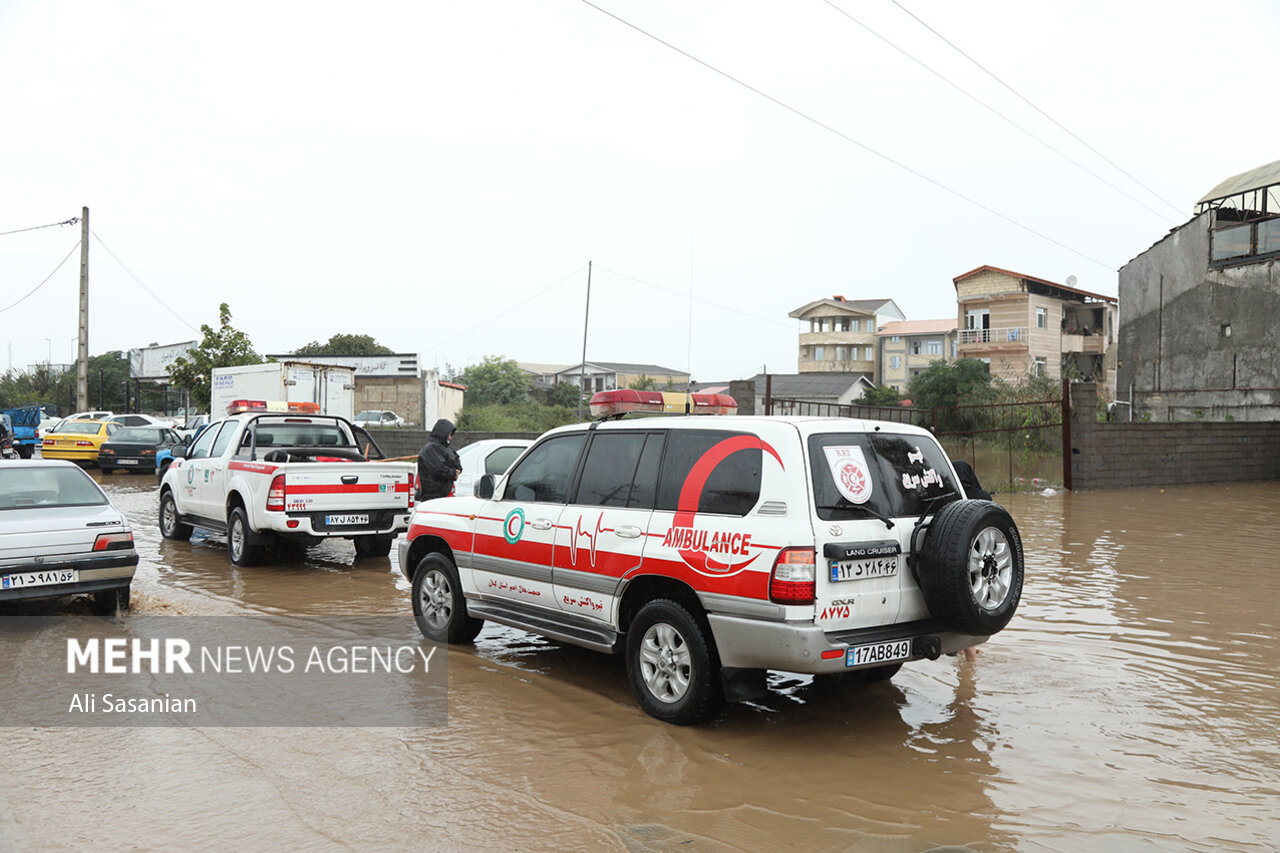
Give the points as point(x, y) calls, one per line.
point(672, 664)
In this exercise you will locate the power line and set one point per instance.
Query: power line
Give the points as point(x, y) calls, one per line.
point(1001, 115)
point(149, 291)
point(1063, 127)
point(686, 295)
point(46, 278)
point(904, 167)
point(497, 317)
point(72, 221)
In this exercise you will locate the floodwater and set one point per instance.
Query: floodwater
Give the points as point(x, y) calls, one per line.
point(1133, 704)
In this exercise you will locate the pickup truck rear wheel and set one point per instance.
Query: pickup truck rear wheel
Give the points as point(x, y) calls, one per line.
point(971, 567)
point(170, 526)
point(672, 664)
point(438, 605)
point(245, 548)
point(373, 546)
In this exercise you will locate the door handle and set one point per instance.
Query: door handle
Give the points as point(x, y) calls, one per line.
point(349, 479)
point(628, 531)
point(541, 524)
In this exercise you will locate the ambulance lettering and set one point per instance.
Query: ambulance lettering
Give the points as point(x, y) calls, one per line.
point(699, 548)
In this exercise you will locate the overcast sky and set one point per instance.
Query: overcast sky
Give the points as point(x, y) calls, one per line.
point(438, 175)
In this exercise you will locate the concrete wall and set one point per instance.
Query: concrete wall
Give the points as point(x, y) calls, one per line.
point(1174, 347)
point(407, 442)
point(1112, 455)
point(399, 394)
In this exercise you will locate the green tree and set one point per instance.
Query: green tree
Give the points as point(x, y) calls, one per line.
point(566, 394)
point(225, 346)
point(644, 383)
point(885, 395)
point(495, 380)
point(962, 382)
point(345, 345)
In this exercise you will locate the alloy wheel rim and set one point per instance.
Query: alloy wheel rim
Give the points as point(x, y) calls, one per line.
point(990, 569)
point(436, 599)
point(665, 662)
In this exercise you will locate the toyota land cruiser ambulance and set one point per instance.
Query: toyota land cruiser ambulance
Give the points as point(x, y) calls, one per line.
point(707, 551)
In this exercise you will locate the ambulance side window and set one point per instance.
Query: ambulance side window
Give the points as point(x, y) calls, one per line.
point(610, 468)
point(543, 475)
point(730, 487)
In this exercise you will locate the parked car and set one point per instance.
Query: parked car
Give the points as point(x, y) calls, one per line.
point(140, 420)
point(97, 415)
point(193, 425)
point(135, 448)
point(487, 456)
point(708, 550)
point(60, 535)
point(78, 441)
point(374, 418)
point(164, 456)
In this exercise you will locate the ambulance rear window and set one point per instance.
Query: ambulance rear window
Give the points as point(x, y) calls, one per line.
point(894, 475)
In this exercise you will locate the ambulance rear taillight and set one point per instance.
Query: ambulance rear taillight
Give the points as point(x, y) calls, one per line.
point(794, 577)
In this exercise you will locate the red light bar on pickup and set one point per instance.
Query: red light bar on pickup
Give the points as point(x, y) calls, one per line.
point(236, 407)
point(629, 401)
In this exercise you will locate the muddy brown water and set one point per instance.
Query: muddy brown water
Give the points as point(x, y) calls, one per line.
point(1133, 704)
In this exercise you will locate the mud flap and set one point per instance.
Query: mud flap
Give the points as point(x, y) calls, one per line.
point(743, 685)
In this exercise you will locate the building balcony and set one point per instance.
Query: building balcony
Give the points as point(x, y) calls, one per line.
point(1001, 339)
point(1093, 344)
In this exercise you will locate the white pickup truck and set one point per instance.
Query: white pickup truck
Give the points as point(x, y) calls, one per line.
point(267, 477)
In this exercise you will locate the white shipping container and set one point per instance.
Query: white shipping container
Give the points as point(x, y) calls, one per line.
point(330, 386)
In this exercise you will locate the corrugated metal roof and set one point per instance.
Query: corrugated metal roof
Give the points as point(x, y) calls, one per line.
point(1254, 179)
point(809, 385)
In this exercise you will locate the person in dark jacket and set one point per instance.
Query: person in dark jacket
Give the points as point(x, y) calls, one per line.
point(438, 463)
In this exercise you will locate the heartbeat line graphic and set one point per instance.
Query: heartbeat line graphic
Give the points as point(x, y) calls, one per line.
point(592, 535)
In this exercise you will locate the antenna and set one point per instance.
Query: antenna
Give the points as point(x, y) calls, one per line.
point(1071, 281)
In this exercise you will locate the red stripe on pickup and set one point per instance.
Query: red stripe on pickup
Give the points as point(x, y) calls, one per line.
point(355, 488)
point(255, 467)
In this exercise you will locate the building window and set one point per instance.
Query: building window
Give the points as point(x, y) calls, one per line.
point(953, 348)
point(895, 339)
point(1039, 367)
point(870, 354)
point(915, 347)
point(895, 362)
point(842, 353)
point(1042, 318)
point(844, 324)
point(818, 354)
point(933, 348)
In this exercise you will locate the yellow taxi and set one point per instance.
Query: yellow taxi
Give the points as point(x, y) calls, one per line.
point(78, 441)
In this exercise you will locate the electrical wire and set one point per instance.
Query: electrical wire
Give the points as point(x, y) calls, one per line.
point(46, 278)
point(1025, 100)
point(1004, 117)
point(497, 317)
point(847, 138)
point(149, 291)
point(72, 221)
point(688, 296)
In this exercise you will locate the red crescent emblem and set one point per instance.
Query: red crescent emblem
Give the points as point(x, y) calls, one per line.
point(691, 494)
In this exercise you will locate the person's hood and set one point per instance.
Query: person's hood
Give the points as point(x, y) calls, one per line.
point(442, 430)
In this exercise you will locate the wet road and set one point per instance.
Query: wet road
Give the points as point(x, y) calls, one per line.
point(1132, 704)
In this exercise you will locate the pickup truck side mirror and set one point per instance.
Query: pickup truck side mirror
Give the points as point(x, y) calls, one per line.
point(179, 451)
point(484, 488)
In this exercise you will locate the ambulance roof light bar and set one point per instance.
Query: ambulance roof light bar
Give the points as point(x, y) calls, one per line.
point(239, 407)
point(626, 401)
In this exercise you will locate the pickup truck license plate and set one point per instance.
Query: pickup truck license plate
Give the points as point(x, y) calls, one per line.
point(878, 653)
point(337, 520)
point(25, 579)
point(856, 570)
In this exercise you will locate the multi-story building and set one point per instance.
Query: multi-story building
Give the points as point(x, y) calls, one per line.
point(1021, 326)
point(838, 335)
point(1200, 339)
point(908, 347)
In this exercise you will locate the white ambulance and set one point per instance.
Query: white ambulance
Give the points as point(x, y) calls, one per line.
point(708, 550)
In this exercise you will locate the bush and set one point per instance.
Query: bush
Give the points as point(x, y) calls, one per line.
point(517, 417)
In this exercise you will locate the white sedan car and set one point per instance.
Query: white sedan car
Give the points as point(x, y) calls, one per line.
point(376, 418)
point(487, 456)
point(60, 535)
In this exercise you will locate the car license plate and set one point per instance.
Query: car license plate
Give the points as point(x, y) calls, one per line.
point(25, 579)
point(336, 520)
point(127, 461)
point(856, 570)
point(878, 653)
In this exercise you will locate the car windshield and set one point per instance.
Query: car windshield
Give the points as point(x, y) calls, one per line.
point(139, 435)
point(81, 428)
point(22, 487)
point(367, 416)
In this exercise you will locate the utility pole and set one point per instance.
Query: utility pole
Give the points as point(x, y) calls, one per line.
point(82, 351)
point(582, 378)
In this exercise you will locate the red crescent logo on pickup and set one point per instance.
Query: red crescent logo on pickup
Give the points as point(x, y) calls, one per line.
point(691, 494)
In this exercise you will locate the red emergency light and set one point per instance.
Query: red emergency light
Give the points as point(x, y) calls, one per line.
point(629, 401)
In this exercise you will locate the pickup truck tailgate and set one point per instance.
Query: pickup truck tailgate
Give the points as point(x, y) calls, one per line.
point(337, 488)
